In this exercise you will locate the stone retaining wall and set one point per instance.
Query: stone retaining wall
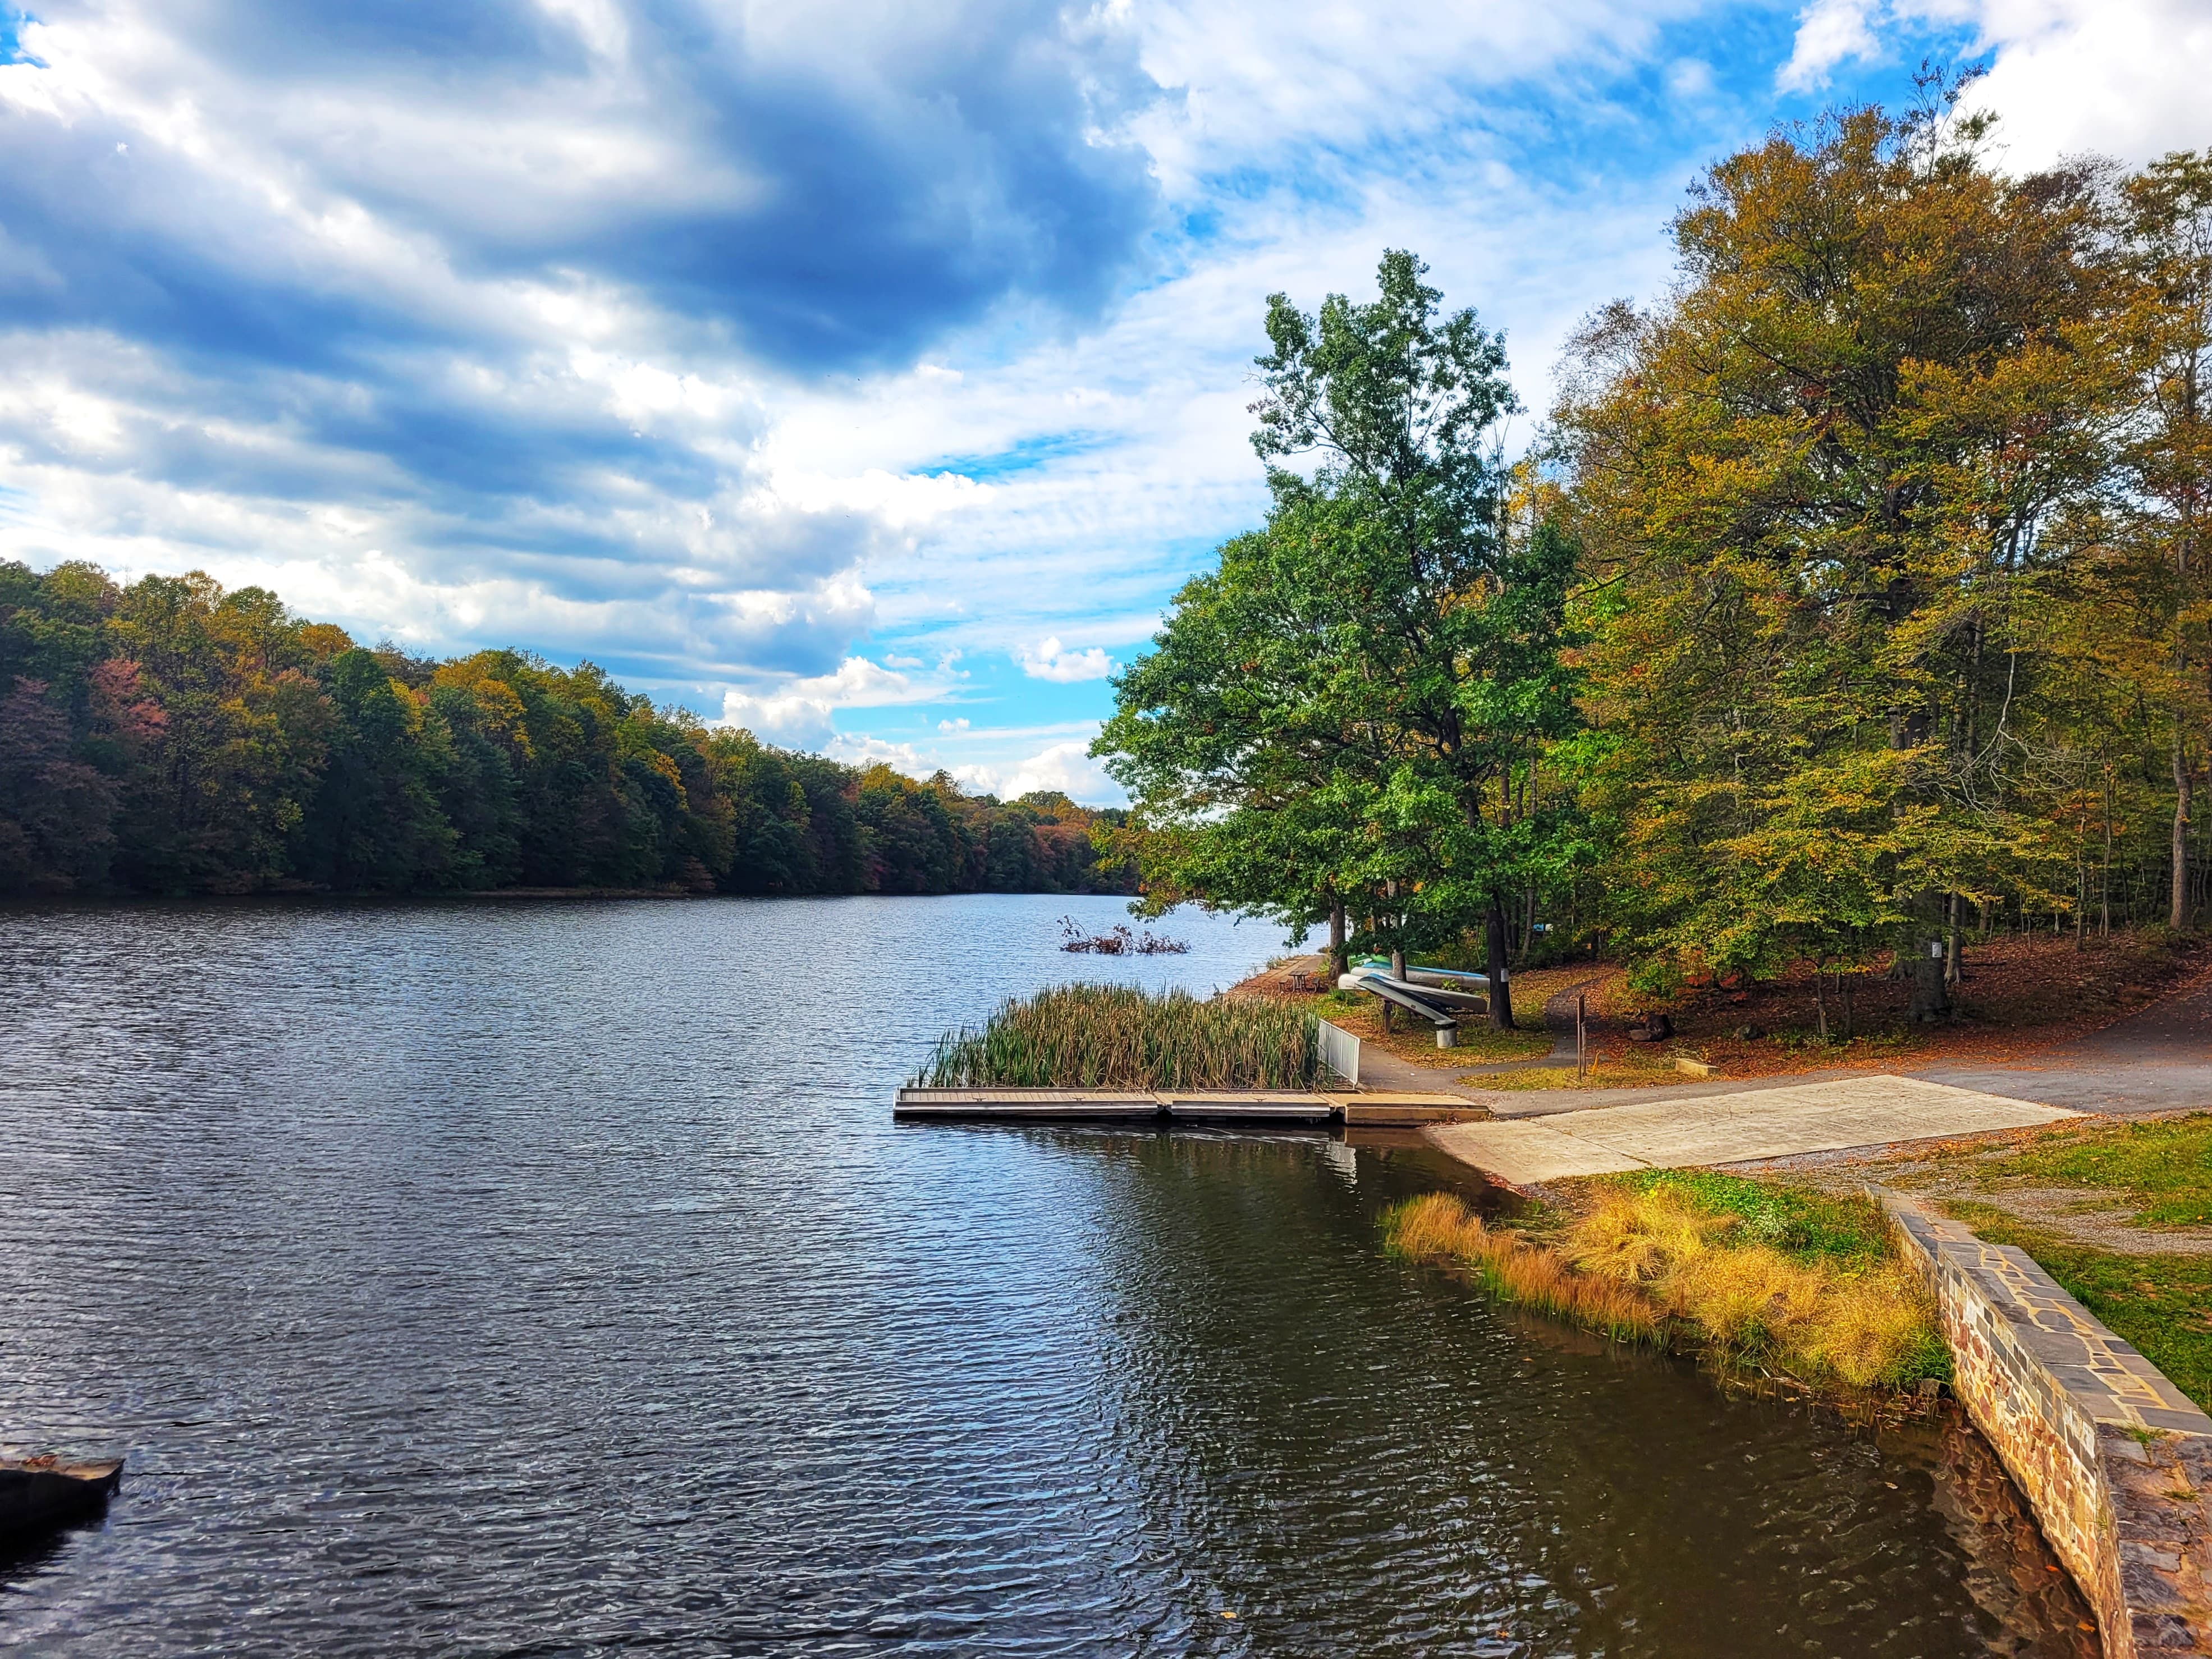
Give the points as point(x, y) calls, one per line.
point(2115, 1461)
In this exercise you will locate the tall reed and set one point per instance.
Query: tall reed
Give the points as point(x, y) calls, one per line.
point(1115, 1037)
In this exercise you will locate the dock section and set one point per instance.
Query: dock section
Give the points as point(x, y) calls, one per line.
point(1166, 1107)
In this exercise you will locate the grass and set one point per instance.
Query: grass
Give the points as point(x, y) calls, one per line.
point(1803, 1223)
point(2161, 1304)
point(1755, 1274)
point(1112, 1037)
point(1439, 1228)
point(2163, 1168)
point(1638, 1069)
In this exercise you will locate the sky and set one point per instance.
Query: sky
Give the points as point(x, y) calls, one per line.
point(866, 375)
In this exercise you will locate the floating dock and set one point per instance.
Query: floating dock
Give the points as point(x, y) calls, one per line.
point(1318, 1108)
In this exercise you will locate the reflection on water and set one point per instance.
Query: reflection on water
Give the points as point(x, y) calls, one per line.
point(550, 1278)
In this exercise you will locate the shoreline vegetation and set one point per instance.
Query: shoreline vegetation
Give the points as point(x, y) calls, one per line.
point(1761, 1279)
point(1118, 1037)
point(170, 739)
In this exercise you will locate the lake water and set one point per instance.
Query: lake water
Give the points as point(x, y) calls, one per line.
point(549, 1277)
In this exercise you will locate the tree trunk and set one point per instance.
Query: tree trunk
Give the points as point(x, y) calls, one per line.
point(1930, 998)
point(1954, 966)
point(2105, 875)
point(2178, 911)
point(1339, 954)
point(1493, 944)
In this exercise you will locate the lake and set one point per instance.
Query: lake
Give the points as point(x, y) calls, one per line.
point(548, 1277)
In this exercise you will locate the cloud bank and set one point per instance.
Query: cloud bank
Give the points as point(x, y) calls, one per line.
point(768, 355)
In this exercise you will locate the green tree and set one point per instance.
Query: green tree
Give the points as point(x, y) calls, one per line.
point(1363, 690)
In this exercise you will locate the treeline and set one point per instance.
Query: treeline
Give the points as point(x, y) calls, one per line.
point(1855, 598)
point(172, 737)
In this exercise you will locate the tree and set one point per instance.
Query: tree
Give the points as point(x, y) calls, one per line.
point(2168, 228)
point(1826, 490)
point(375, 824)
point(1352, 707)
point(170, 736)
point(56, 811)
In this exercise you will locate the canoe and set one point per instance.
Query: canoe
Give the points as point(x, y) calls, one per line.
point(1419, 973)
point(37, 1494)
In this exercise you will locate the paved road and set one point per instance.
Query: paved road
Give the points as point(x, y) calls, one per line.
point(2159, 1059)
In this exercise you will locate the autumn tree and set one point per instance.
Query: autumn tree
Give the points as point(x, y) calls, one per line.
point(170, 736)
point(1818, 487)
point(2166, 225)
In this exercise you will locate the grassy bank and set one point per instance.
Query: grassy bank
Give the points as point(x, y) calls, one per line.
point(1107, 1037)
point(1756, 1276)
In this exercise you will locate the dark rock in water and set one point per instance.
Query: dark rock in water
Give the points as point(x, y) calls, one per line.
point(37, 1494)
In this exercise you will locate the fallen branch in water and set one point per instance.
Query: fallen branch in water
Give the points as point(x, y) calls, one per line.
point(1117, 941)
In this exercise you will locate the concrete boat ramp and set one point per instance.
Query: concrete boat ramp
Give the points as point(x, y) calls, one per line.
point(1319, 1109)
point(1828, 1116)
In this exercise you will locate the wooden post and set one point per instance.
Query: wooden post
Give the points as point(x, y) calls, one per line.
point(1582, 1037)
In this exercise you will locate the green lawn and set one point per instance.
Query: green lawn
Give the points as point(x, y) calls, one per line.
point(1804, 1223)
point(2164, 1169)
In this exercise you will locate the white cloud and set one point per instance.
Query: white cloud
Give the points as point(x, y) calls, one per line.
point(796, 713)
point(1066, 766)
point(953, 725)
point(1050, 660)
point(863, 750)
point(1255, 80)
point(2125, 78)
point(1829, 32)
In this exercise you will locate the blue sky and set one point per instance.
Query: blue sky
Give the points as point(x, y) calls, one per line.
point(869, 375)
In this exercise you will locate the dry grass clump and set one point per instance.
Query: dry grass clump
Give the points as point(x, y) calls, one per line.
point(1659, 1259)
point(1115, 1037)
point(1438, 1227)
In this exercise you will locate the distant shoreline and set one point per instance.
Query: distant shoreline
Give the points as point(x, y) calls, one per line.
point(132, 901)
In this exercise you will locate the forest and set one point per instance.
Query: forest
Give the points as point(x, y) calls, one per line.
point(1850, 603)
point(170, 738)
